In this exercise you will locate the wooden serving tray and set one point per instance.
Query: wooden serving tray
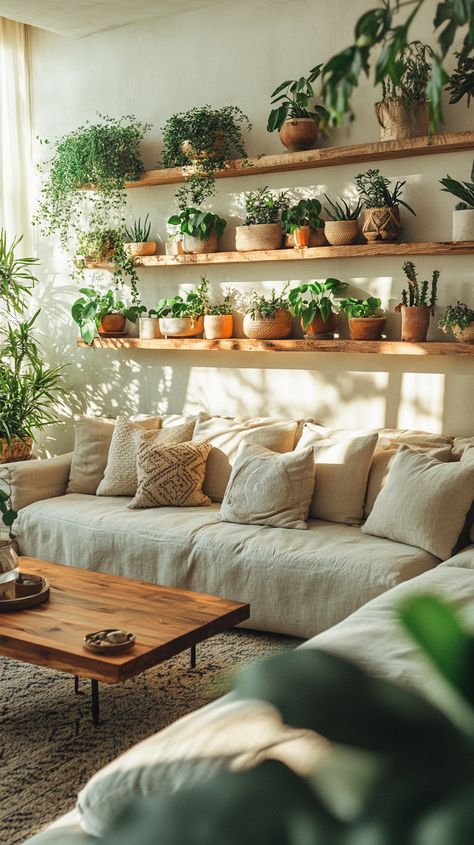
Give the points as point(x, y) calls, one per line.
point(7, 605)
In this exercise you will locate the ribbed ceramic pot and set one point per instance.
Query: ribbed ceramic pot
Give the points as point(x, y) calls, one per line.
point(464, 335)
point(398, 121)
point(463, 225)
point(299, 133)
point(218, 326)
point(196, 246)
point(258, 236)
point(149, 328)
point(366, 328)
point(181, 326)
point(269, 328)
point(415, 322)
point(140, 248)
point(321, 329)
point(112, 323)
point(341, 232)
point(18, 450)
point(382, 224)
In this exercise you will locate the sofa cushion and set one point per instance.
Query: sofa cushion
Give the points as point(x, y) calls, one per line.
point(92, 438)
point(296, 582)
point(225, 437)
point(266, 488)
point(170, 474)
point(30, 481)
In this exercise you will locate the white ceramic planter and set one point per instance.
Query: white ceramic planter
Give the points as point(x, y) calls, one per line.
point(149, 328)
point(181, 326)
point(196, 246)
point(463, 225)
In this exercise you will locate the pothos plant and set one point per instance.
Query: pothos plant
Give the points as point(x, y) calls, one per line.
point(92, 306)
point(197, 223)
point(205, 138)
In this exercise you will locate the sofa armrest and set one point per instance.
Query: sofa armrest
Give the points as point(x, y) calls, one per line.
point(32, 481)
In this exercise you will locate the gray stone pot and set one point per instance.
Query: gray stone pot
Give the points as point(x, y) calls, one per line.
point(463, 225)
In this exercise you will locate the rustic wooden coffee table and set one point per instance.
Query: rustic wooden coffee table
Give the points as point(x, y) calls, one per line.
point(166, 621)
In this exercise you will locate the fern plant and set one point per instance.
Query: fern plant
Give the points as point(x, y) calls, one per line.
point(417, 293)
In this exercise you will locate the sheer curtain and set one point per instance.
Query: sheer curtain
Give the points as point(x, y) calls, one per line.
point(15, 132)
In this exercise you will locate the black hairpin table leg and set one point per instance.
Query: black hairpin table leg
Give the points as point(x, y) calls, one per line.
point(95, 701)
point(193, 657)
point(76, 684)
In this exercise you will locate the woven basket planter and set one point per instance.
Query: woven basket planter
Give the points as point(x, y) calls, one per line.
point(382, 224)
point(269, 328)
point(258, 236)
point(218, 326)
point(415, 322)
point(397, 121)
point(366, 328)
point(181, 326)
point(299, 133)
point(196, 246)
point(140, 248)
point(341, 232)
point(19, 450)
point(464, 335)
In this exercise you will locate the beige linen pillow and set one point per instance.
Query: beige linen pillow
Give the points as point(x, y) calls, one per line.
point(120, 478)
point(225, 437)
point(92, 439)
point(424, 502)
point(342, 461)
point(267, 488)
point(170, 475)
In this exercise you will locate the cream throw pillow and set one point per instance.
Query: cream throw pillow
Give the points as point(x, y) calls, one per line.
point(225, 437)
point(424, 502)
point(170, 475)
point(342, 461)
point(267, 488)
point(120, 478)
point(92, 439)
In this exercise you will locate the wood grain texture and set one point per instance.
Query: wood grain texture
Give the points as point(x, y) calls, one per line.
point(166, 621)
point(327, 157)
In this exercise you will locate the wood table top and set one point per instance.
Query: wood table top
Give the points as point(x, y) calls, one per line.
point(165, 620)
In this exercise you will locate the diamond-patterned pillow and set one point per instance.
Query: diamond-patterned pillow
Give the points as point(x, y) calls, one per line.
point(171, 476)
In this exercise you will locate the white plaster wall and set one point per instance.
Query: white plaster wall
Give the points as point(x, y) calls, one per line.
point(236, 54)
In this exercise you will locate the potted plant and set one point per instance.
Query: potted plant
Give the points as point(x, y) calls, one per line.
point(365, 321)
point(184, 317)
point(201, 230)
point(302, 224)
point(203, 140)
point(138, 234)
point(314, 303)
point(268, 318)
point(262, 226)
point(463, 214)
point(418, 303)
point(381, 217)
point(218, 319)
point(342, 227)
point(174, 240)
point(105, 245)
point(297, 117)
point(403, 110)
point(460, 319)
point(102, 312)
point(148, 323)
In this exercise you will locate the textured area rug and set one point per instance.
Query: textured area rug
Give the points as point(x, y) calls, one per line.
point(49, 746)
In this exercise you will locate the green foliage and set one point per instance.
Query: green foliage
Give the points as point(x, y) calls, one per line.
point(304, 213)
point(456, 315)
point(267, 306)
point(463, 190)
point(99, 245)
point(138, 232)
point(211, 137)
point(217, 309)
point(192, 305)
point(361, 307)
point(197, 223)
point(296, 99)
point(263, 206)
point(417, 293)
point(16, 276)
point(105, 155)
point(89, 310)
point(415, 72)
point(342, 210)
point(375, 191)
point(461, 81)
point(315, 299)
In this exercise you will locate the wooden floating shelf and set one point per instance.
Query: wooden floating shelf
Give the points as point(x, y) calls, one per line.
point(368, 250)
point(377, 347)
point(327, 157)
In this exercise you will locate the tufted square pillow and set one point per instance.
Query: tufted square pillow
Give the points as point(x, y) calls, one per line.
point(170, 476)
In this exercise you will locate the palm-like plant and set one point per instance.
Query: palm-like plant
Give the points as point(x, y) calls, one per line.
point(462, 190)
point(16, 276)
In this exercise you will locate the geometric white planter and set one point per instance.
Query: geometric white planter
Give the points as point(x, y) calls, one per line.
point(463, 225)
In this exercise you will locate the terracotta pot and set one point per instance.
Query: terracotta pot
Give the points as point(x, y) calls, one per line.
point(464, 335)
point(19, 450)
point(197, 247)
point(399, 121)
point(463, 225)
point(366, 328)
point(341, 232)
point(112, 323)
point(321, 329)
point(299, 133)
point(269, 328)
point(181, 326)
point(140, 248)
point(258, 236)
point(149, 327)
point(316, 238)
point(218, 326)
point(381, 224)
point(415, 322)
point(302, 236)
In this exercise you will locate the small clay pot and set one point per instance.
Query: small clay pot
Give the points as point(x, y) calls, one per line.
point(321, 329)
point(218, 326)
point(341, 232)
point(196, 246)
point(415, 322)
point(301, 237)
point(299, 133)
point(181, 326)
point(149, 328)
point(464, 335)
point(463, 225)
point(269, 328)
point(112, 323)
point(382, 224)
point(258, 236)
point(139, 248)
point(316, 238)
point(366, 328)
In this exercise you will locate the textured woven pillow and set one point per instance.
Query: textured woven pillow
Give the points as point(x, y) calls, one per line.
point(171, 475)
point(120, 478)
point(266, 488)
point(424, 502)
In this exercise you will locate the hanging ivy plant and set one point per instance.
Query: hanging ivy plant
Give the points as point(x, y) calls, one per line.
point(203, 139)
point(107, 245)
